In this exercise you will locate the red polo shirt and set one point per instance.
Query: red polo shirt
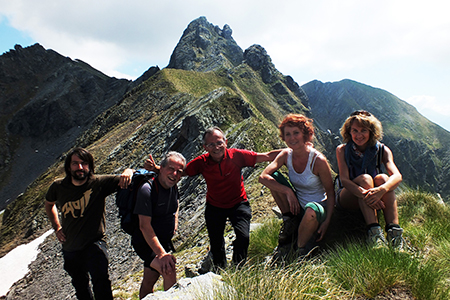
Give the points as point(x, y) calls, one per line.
point(224, 181)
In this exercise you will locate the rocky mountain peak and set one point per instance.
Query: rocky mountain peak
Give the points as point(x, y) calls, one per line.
point(46, 101)
point(258, 59)
point(204, 47)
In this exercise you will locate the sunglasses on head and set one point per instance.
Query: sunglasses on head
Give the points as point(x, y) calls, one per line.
point(361, 112)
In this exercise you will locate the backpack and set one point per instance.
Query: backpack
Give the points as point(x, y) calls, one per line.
point(126, 199)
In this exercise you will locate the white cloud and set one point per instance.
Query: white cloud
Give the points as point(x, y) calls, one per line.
point(430, 103)
point(396, 45)
point(437, 111)
point(320, 35)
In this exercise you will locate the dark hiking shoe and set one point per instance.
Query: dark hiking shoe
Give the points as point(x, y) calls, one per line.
point(376, 237)
point(395, 239)
point(287, 231)
point(206, 264)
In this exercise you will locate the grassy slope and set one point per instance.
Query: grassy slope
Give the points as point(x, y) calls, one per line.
point(347, 270)
point(351, 270)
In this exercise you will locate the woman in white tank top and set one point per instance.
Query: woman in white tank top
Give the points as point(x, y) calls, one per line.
point(310, 175)
point(308, 185)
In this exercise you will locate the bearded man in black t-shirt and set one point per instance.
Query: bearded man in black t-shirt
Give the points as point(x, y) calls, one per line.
point(80, 197)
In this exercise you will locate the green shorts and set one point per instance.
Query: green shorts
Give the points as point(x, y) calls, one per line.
point(317, 207)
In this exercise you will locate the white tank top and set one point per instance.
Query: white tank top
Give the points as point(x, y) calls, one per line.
point(308, 186)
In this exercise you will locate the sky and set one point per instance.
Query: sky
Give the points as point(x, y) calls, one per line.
point(400, 46)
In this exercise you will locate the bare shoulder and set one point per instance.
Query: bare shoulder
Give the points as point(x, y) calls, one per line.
point(321, 160)
point(319, 155)
point(386, 149)
point(285, 151)
point(283, 154)
point(321, 166)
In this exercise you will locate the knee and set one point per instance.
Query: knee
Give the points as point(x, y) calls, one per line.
point(380, 179)
point(310, 215)
point(365, 181)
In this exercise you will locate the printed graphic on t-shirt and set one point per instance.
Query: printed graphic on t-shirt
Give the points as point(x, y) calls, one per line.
point(77, 207)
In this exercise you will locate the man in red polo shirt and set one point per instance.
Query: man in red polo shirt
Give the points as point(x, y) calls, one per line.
point(225, 196)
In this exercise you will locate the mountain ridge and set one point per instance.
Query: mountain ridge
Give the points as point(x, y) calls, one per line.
point(169, 109)
point(42, 94)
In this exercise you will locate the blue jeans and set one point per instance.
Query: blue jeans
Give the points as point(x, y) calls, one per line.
point(239, 217)
point(92, 260)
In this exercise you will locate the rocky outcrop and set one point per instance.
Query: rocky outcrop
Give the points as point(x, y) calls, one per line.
point(204, 47)
point(147, 74)
point(258, 59)
point(189, 288)
point(46, 101)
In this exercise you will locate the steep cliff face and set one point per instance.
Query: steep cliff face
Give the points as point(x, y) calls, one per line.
point(46, 101)
point(205, 47)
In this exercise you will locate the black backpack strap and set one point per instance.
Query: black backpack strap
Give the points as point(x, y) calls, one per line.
point(153, 185)
point(337, 181)
point(380, 158)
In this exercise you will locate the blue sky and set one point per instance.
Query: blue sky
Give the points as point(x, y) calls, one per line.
point(400, 46)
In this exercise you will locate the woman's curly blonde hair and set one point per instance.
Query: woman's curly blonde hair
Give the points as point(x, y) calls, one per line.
point(366, 120)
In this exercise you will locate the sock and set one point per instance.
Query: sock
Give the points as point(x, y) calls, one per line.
point(370, 226)
point(287, 215)
point(392, 225)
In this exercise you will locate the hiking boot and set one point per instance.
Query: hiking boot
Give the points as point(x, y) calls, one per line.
point(287, 230)
point(282, 254)
point(301, 253)
point(395, 239)
point(206, 264)
point(278, 256)
point(376, 237)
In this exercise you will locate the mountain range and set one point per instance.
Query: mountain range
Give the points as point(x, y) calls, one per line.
point(51, 103)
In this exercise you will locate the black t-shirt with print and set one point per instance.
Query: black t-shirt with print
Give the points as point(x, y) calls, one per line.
point(82, 208)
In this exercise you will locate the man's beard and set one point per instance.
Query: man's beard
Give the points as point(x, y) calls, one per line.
point(79, 175)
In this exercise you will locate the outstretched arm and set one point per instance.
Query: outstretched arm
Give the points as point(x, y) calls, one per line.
point(267, 156)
